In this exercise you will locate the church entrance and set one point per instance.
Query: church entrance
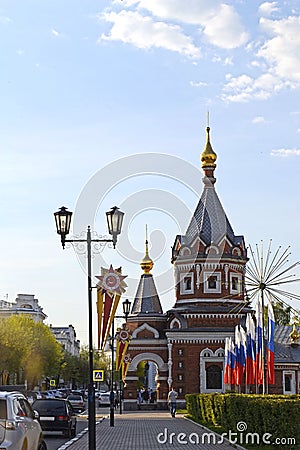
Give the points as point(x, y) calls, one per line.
point(147, 372)
point(146, 382)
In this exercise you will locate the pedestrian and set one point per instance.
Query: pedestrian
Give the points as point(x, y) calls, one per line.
point(139, 398)
point(172, 396)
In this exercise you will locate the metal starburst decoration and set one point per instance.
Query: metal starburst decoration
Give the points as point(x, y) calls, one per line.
point(271, 273)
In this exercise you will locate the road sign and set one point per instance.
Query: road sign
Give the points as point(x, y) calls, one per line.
point(98, 375)
point(52, 383)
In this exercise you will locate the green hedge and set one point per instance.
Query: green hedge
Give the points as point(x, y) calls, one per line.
point(277, 415)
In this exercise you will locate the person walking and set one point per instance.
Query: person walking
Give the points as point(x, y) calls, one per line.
point(172, 396)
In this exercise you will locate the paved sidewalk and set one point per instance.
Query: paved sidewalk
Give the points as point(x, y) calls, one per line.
point(149, 431)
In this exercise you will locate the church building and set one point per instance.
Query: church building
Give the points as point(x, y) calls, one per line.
point(185, 345)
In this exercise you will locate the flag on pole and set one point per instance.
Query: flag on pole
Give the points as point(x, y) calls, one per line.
point(125, 365)
point(100, 304)
point(270, 347)
point(259, 338)
point(240, 341)
point(123, 338)
point(232, 361)
point(227, 371)
point(243, 344)
point(110, 287)
point(250, 350)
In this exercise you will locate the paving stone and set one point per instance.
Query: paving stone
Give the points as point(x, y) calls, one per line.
point(151, 431)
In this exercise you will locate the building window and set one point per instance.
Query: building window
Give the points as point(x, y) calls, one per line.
point(235, 283)
point(180, 364)
point(187, 283)
point(213, 377)
point(206, 354)
point(180, 351)
point(212, 282)
point(287, 383)
point(180, 377)
point(180, 390)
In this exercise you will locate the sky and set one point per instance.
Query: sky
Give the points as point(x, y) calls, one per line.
point(105, 103)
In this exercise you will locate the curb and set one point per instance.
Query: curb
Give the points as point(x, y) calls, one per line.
point(77, 437)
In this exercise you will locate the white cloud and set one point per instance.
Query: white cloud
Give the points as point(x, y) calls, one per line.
point(282, 51)
point(225, 29)
point(198, 84)
point(258, 119)
point(56, 33)
point(284, 152)
point(267, 8)
point(244, 88)
point(143, 32)
point(219, 23)
point(281, 62)
point(4, 19)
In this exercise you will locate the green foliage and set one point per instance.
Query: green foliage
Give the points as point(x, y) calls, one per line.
point(274, 414)
point(28, 348)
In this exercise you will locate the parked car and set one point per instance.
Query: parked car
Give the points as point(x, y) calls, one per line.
point(56, 414)
point(104, 398)
point(19, 425)
point(48, 394)
point(76, 402)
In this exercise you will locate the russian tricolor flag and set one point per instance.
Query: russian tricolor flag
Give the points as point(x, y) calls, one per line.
point(240, 341)
point(259, 338)
point(270, 347)
point(227, 371)
point(232, 361)
point(250, 350)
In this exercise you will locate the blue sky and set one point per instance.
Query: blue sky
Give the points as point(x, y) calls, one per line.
point(85, 84)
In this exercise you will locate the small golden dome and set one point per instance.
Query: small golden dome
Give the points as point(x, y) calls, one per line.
point(208, 156)
point(294, 335)
point(146, 263)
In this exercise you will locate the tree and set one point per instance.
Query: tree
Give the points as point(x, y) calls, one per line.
point(29, 349)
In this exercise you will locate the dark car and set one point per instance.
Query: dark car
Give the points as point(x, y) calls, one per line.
point(56, 414)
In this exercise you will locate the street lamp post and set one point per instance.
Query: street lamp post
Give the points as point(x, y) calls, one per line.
point(126, 311)
point(114, 222)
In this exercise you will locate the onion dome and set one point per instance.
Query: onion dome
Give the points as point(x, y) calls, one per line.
point(208, 156)
point(146, 263)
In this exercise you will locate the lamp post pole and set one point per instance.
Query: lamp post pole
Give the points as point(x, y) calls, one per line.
point(91, 390)
point(126, 312)
point(63, 222)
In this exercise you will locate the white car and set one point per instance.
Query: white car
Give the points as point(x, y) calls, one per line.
point(19, 425)
point(104, 398)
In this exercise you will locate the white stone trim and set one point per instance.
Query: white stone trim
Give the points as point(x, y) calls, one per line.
point(155, 342)
point(210, 316)
point(240, 281)
point(173, 321)
point(206, 288)
point(183, 275)
point(213, 358)
point(293, 382)
point(203, 300)
point(145, 326)
point(213, 247)
point(147, 356)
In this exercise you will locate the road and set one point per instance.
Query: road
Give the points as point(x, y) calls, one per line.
point(56, 440)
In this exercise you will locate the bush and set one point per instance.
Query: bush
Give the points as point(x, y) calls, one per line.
point(273, 414)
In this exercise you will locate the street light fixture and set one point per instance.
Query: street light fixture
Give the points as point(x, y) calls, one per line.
point(63, 223)
point(126, 311)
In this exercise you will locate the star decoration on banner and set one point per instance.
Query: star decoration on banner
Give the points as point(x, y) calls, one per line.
point(112, 280)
